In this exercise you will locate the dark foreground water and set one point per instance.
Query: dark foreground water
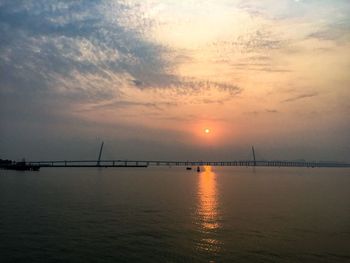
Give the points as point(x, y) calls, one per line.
point(174, 215)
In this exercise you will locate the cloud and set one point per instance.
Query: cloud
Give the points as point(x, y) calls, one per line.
point(301, 96)
point(290, 10)
point(259, 112)
point(336, 31)
point(264, 67)
point(60, 58)
point(272, 111)
point(186, 86)
point(187, 91)
point(296, 21)
point(43, 46)
point(253, 50)
point(128, 104)
point(252, 43)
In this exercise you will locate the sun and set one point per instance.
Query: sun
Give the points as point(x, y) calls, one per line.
point(207, 131)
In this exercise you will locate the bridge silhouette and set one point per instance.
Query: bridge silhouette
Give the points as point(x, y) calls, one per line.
point(146, 163)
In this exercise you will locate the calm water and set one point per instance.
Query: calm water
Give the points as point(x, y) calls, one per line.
point(174, 215)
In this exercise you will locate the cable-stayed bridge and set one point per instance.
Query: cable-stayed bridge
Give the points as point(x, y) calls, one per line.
point(147, 163)
point(252, 161)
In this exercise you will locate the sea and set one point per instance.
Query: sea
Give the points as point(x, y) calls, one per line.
point(170, 214)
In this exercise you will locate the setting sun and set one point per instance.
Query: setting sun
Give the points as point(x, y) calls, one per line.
point(207, 131)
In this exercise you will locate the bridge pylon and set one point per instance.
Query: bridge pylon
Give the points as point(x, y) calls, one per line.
point(99, 155)
point(253, 150)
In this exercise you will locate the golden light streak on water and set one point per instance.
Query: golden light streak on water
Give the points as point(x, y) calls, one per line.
point(208, 215)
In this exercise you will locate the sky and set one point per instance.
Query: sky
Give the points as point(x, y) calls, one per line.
point(148, 77)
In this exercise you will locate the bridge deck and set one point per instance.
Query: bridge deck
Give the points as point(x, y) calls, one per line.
point(143, 163)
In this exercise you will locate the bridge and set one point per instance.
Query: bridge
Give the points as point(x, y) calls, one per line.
point(147, 163)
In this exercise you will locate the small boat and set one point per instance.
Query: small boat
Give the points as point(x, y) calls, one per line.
point(198, 169)
point(188, 168)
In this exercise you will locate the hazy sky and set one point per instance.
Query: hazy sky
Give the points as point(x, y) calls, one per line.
point(148, 77)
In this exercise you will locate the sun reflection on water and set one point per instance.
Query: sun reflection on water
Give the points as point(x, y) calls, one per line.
point(207, 211)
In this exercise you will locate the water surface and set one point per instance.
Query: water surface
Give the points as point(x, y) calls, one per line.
point(173, 215)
